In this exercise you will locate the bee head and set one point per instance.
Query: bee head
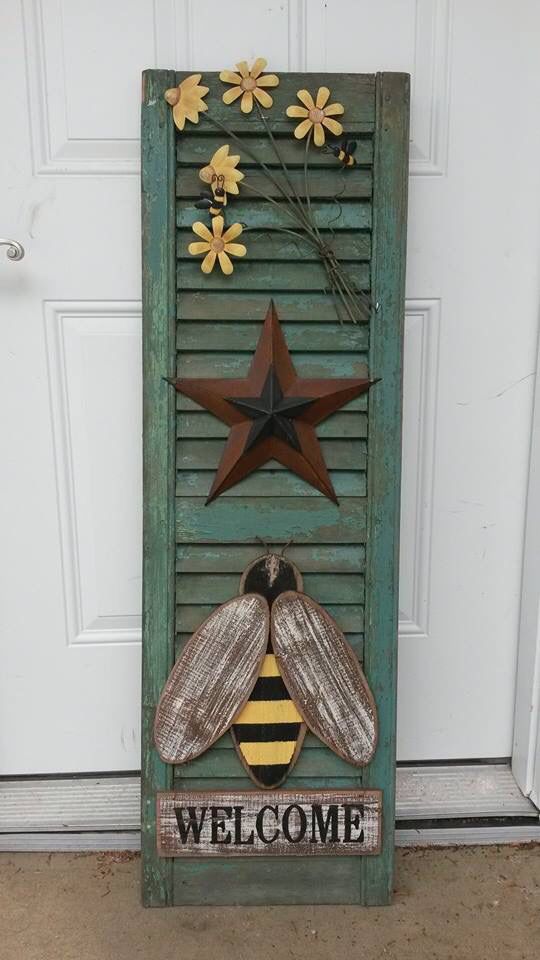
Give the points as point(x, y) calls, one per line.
point(271, 575)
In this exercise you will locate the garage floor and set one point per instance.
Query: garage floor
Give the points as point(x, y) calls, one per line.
point(474, 902)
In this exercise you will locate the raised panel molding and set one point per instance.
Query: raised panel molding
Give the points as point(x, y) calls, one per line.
point(421, 352)
point(430, 68)
point(101, 577)
point(58, 151)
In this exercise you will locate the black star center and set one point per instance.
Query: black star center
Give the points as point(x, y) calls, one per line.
point(272, 413)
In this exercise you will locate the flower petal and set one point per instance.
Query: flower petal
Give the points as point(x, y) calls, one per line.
point(232, 94)
point(179, 116)
point(229, 76)
point(220, 155)
point(263, 97)
point(225, 262)
point(200, 246)
point(217, 226)
point(302, 128)
point(305, 97)
point(258, 67)
point(232, 232)
point(230, 187)
point(208, 263)
point(295, 111)
point(270, 80)
point(247, 102)
point(236, 249)
point(318, 135)
point(333, 125)
point(233, 174)
point(191, 81)
point(334, 110)
point(323, 95)
point(202, 231)
point(243, 68)
point(192, 114)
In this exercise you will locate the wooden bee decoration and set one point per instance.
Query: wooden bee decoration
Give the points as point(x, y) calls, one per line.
point(213, 200)
point(267, 665)
point(344, 152)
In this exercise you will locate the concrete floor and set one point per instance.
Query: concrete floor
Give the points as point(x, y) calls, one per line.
point(481, 903)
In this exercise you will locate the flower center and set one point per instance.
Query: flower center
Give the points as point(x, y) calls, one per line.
point(316, 115)
point(217, 245)
point(248, 83)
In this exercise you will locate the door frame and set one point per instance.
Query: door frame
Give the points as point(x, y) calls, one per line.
point(526, 742)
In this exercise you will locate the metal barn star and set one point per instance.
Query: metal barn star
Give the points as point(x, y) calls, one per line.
point(272, 413)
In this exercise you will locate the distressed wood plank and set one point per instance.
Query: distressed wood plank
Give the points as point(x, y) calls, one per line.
point(206, 454)
point(261, 275)
point(197, 151)
point(244, 337)
point(239, 520)
point(158, 248)
point(359, 403)
point(380, 655)
point(212, 679)
point(354, 90)
point(200, 425)
point(293, 783)
point(316, 762)
point(302, 880)
point(348, 245)
point(354, 184)
point(270, 483)
point(346, 215)
point(312, 558)
point(324, 587)
point(249, 823)
point(317, 307)
point(306, 365)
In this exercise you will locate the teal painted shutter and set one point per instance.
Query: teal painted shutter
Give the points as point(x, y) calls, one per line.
point(201, 326)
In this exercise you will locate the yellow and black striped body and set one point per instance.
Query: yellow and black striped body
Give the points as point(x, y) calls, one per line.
point(218, 202)
point(269, 730)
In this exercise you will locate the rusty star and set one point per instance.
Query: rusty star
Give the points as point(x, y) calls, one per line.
point(272, 413)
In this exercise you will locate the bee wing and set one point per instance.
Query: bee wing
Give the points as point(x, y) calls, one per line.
point(351, 146)
point(323, 677)
point(212, 679)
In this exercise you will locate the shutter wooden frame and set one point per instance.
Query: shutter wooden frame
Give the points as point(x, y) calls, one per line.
point(362, 880)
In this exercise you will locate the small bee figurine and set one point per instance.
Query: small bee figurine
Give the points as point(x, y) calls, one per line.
point(267, 665)
point(213, 201)
point(344, 152)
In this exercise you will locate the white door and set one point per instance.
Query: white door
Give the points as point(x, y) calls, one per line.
point(70, 328)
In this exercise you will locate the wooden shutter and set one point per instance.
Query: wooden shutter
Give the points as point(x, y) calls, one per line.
point(197, 325)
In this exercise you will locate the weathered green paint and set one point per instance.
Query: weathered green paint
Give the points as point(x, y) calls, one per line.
point(197, 150)
point(241, 305)
point(158, 154)
point(382, 557)
point(349, 247)
point(263, 216)
point(218, 323)
point(355, 184)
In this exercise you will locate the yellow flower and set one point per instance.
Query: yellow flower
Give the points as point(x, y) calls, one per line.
point(217, 244)
point(317, 115)
point(248, 84)
point(186, 100)
point(222, 165)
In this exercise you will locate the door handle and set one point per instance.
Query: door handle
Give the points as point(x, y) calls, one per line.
point(15, 250)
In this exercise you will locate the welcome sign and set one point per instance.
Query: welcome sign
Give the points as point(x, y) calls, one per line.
point(258, 823)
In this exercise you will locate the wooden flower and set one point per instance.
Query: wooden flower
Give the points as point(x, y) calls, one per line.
point(223, 165)
point(316, 115)
point(186, 100)
point(217, 244)
point(248, 84)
